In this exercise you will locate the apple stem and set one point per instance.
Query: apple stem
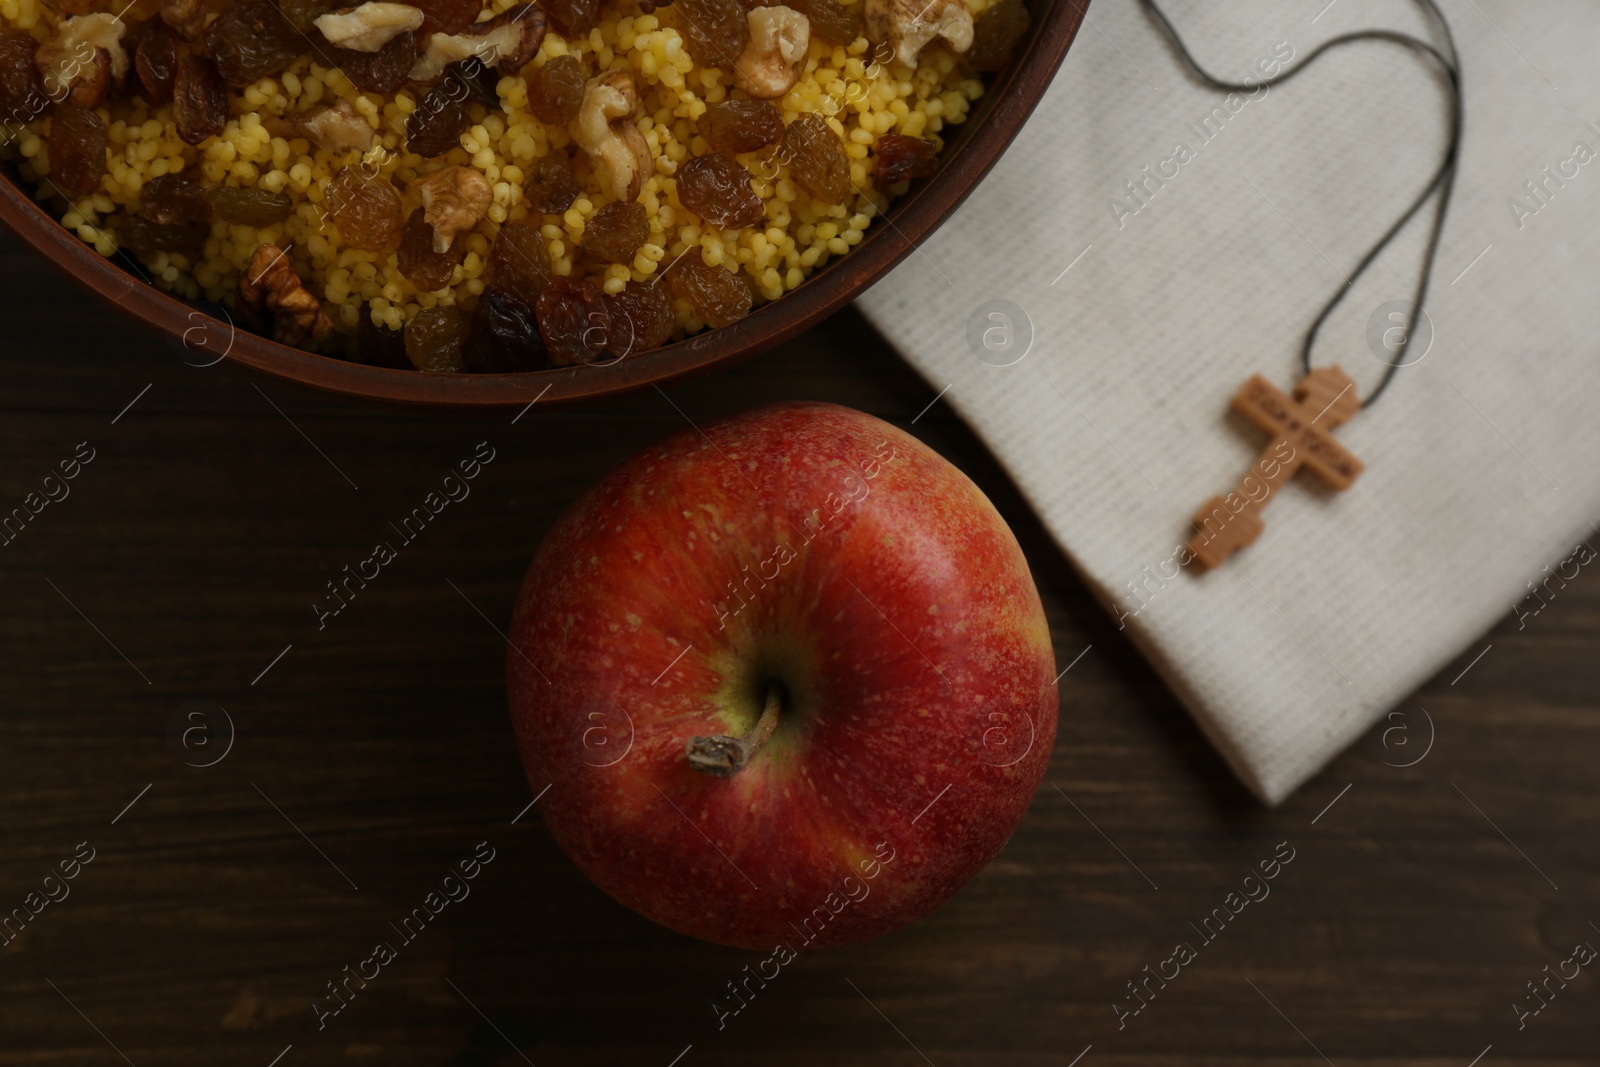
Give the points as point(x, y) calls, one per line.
point(723, 756)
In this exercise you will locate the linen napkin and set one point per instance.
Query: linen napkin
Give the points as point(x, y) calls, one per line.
point(1151, 244)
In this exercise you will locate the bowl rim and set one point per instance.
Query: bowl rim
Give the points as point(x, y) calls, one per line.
point(1007, 103)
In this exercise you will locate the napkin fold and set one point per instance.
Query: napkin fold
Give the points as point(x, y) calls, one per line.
point(1147, 244)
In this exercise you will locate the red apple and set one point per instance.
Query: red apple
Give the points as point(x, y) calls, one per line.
point(788, 680)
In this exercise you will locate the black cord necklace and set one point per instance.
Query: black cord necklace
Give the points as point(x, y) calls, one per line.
point(1325, 397)
point(1443, 180)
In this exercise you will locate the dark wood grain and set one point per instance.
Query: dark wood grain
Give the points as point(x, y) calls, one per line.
point(207, 924)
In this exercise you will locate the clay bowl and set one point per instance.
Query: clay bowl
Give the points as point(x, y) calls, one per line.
point(971, 149)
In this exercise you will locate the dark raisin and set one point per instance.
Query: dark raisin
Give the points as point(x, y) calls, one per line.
point(817, 159)
point(505, 334)
point(715, 31)
point(379, 346)
point(155, 61)
point(480, 81)
point(447, 16)
point(384, 71)
point(572, 18)
point(831, 21)
point(251, 41)
point(438, 122)
point(365, 209)
point(735, 126)
point(574, 321)
point(718, 190)
point(303, 14)
point(145, 238)
point(256, 208)
point(615, 232)
point(173, 200)
point(78, 140)
point(520, 260)
point(22, 93)
point(422, 266)
point(434, 339)
point(552, 187)
point(199, 100)
point(556, 89)
point(718, 296)
point(642, 318)
point(995, 33)
point(901, 158)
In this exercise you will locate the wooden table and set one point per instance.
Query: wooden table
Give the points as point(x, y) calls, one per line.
point(376, 752)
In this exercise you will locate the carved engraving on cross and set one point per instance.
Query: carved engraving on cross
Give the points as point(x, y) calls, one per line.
point(1325, 398)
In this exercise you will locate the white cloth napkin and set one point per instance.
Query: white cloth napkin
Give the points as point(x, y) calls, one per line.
point(1481, 458)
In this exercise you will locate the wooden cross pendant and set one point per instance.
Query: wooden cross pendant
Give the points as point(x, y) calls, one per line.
point(1325, 398)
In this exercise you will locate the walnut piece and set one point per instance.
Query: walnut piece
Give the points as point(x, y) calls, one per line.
point(507, 41)
point(604, 129)
point(186, 17)
point(269, 287)
point(82, 59)
point(453, 200)
point(771, 61)
point(369, 27)
point(337, 128)
point(909, 26)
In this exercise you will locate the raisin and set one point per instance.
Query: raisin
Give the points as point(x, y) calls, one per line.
point(173, 200)
point(438, 122)
point(434, 339)
point(735, 126)
point(303, 14)
point(817, 159)
point(422, 266)
point(145, 238)
point(256, 208)
point(480, 81)
point(901, 158)
point(22, 93)
point(552, 187)
point(718, 296)
point(251, 41)
point(574, 321)
point(572, 18)
point(78, 140)
point(505, 334)
point(379, 346)
point(831, 21)
point(155, 61)
point(520, 260)
point(384, 71)
point(614, 233)
point(995, 33)
point(556, 89)
point(642, 318)
point(199, 100)
point(446, 16)
point(366, 210)
point(718, 190)
point(715, 31)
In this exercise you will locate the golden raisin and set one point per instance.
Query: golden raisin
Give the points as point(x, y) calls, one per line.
point(256, 208)
point(615, 232)
point(830, 21)
point(439, 120)
point(995, 33)
point(552, 187)
point(901, 158)
point(817, 159)
point(735, 126)
point(715, 31)
point(718, 296)
point(174, 200)
point(22, 92)
point(718, 190)
point(520, 260)
point(155, 61)
point(556, 89)
point(434, 339)
point(641, 318)
point(199, 100)
point(422, 266)
point(251, 40)
point(572, 18)
point(365, 209)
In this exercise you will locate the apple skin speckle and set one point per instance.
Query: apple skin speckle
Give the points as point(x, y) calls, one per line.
point(868, 578)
